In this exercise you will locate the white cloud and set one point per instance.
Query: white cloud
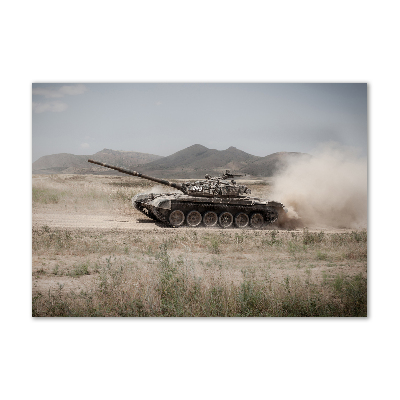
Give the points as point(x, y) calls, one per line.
point(54, 92)
point(46, 92)
point(85, 145)
point(52, 106)
point(70, 90)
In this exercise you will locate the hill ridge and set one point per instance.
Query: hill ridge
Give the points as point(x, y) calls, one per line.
point(191, 162)
point(71, 163)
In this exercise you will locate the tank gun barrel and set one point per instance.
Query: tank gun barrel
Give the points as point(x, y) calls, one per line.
point(134, 173)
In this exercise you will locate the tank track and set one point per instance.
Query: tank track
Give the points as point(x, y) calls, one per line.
point(269, 213)
point(162, 216)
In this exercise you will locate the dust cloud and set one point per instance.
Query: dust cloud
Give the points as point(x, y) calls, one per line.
point(328, 189)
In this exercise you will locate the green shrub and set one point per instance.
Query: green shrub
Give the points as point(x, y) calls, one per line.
point(213, 246)
point(312, 238)
point(322, 256)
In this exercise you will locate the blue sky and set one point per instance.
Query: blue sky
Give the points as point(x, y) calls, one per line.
point(162, 118)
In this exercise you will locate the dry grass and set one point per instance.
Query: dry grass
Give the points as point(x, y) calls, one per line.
point(122, 269)
point(172, 288)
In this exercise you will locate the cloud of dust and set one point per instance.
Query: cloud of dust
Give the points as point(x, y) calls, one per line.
point(326, 190)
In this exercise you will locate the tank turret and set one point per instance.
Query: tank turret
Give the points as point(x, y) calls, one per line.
point(210, 202)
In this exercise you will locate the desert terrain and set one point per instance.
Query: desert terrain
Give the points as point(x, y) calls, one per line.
point(93, 254)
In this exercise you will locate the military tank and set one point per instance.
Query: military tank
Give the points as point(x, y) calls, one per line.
point(214, 201)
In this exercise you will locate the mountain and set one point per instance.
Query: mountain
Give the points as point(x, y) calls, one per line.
point(193, 162)
point(196, 161)
point(181, 159)
point(57, 163)
point(72, 164)
point(125, 159)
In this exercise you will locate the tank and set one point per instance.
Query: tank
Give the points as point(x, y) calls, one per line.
point(212, 202)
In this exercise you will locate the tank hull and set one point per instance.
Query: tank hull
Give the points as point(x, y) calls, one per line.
point(180, 209)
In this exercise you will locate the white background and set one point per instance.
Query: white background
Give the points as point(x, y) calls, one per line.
point(213, 41)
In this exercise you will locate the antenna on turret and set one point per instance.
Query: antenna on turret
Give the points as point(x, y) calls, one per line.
point(228, 175)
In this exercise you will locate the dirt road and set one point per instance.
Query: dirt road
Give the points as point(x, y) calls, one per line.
point(127, 222)
point(90, 221)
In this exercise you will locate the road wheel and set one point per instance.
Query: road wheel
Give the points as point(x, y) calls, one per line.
point(210, 219)
point(226, 219)
point(193, 218)
point(176, 218)
point(241, 220)
point(256, 221)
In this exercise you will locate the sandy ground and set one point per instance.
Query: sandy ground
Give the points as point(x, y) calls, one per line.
point(136, 221)
point(57, 220)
